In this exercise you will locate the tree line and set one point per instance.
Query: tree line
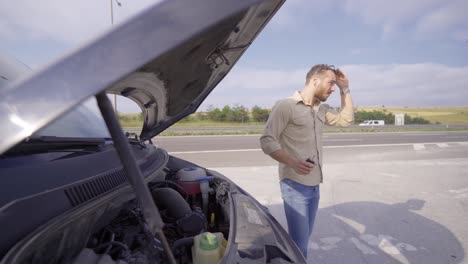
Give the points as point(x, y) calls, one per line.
point(241, 114)
point(237, 113)
point(389, 118)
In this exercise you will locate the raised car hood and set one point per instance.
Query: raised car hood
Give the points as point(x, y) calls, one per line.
point(167, 59)
point(173, 85)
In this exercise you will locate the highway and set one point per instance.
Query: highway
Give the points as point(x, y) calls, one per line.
point(386, 197)
point(196, 143)
point(222, 151)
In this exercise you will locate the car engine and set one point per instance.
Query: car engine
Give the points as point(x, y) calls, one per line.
point(186, 211)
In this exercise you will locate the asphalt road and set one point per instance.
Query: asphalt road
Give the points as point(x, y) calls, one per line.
point(230, 142)
point(386, 197)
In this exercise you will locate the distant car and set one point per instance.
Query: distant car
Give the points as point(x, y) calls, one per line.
point(372, 123)
point(75, 189)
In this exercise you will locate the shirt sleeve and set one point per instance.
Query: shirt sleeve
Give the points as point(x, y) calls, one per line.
point(343, 118)
point(276, 123)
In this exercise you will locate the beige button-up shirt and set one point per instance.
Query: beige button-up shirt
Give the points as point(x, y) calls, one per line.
point(297, 128)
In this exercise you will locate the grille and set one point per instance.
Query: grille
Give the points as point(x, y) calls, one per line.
point(88, 190)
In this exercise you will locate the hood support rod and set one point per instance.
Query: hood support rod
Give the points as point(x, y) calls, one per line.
point(150, 211)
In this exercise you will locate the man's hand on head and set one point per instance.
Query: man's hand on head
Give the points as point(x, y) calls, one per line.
point(341, 80)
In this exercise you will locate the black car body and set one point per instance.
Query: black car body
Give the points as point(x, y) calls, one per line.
point(67, 195)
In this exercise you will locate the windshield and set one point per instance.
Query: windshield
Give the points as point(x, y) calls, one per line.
point(83, 121)
point(10, 70)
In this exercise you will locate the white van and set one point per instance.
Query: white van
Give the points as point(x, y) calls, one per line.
point(373, 123)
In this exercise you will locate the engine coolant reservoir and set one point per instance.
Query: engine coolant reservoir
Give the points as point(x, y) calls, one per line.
point(208, 248)
point(188, 178)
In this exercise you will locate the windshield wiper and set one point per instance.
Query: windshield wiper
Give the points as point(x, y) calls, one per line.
point(42, 144)
point(49, 139)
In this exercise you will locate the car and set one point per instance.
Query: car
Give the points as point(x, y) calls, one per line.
point(372, 123)
point(76, 189)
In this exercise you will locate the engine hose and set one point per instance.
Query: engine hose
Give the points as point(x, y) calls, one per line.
point(113, 243)
point(110, 245)
point(170, 199)
point(171, 183)
point(186, 241)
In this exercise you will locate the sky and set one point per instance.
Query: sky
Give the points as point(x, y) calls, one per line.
point(394, 53)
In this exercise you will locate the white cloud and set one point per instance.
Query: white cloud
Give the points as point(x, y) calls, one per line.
point(421, 17)
point(409, 84)
point(446, 18)
point(70, 22)
point(372, 85)
point(294, 11)
point(249, 87)
point(388, 13)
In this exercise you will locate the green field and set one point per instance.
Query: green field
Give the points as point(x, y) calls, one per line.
point(442, 115)
point(133, 120)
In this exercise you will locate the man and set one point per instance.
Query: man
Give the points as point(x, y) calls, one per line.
point(293, 137)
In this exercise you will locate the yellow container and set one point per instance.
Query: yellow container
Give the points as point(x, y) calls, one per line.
point(208, 248)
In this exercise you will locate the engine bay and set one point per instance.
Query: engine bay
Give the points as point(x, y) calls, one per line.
point(192, 207)
point(206, 218)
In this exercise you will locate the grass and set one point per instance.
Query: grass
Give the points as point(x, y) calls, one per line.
point(131, 120)
point(357, 130)
point(442, 115)
point(211, 133)
point(215, 124)
point(134, 120)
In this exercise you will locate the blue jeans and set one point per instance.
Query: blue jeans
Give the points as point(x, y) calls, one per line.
point(300, 205)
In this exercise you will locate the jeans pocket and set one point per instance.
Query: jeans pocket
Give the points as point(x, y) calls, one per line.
point(294, 191)
point(286, 190)
point(290, 192)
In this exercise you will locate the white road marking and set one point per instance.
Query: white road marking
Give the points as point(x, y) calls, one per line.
point(459, 190)
point(267, 200)
point(330, 242)
point(461, 196)
point(387, 247)
point(314, 246)
point(425, 134)
point(381, 145)
point(383, 242)
point(390, 175)
point(354, 224)
point(362, 247)
point(326, 147)
point(463, 143)
point(213, 151)
point(340, 140)
point(202, 136)
point(406, 247)
point(419, 147)
point(442, 145)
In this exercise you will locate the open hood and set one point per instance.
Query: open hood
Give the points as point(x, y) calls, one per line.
point(167, 59)
point(173, 85)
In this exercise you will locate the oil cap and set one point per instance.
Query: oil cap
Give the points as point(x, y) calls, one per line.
point(208, 241)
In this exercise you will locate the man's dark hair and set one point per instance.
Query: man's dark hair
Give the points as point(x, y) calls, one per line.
point(318, 69)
